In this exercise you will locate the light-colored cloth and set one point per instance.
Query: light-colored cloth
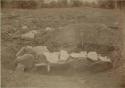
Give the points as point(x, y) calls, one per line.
point(41, 58)
point(57, 57)
point(92, 56)
point(104, 59)
point(52, 57)
point(63, 55)
point(82, 54)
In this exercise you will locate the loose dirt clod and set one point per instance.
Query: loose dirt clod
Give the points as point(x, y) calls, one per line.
point(29, 35)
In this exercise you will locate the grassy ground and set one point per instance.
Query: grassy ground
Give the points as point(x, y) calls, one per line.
point(97, 28)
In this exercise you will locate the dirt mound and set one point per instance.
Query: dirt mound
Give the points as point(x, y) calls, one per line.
point(83, 37)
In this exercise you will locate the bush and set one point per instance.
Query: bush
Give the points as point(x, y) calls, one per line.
point(19, 4)
point(62, 3)
point(106, 4)
point(27, 4)
point(77, 3)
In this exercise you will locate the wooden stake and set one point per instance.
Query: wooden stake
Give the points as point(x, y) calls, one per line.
point(116, 4)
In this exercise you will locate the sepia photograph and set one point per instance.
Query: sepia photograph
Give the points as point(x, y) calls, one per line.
point(62, 43)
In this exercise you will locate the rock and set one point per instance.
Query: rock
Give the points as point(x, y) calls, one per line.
point(29, 35)
point(93, 56)
point(24, 27)
point(49, 29)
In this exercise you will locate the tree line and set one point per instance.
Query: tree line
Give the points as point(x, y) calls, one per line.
point(34, 4)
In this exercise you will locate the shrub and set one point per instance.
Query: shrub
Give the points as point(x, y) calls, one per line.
point(106, 3)
point(27, 4)
point(77, 3)
point(19, 4)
